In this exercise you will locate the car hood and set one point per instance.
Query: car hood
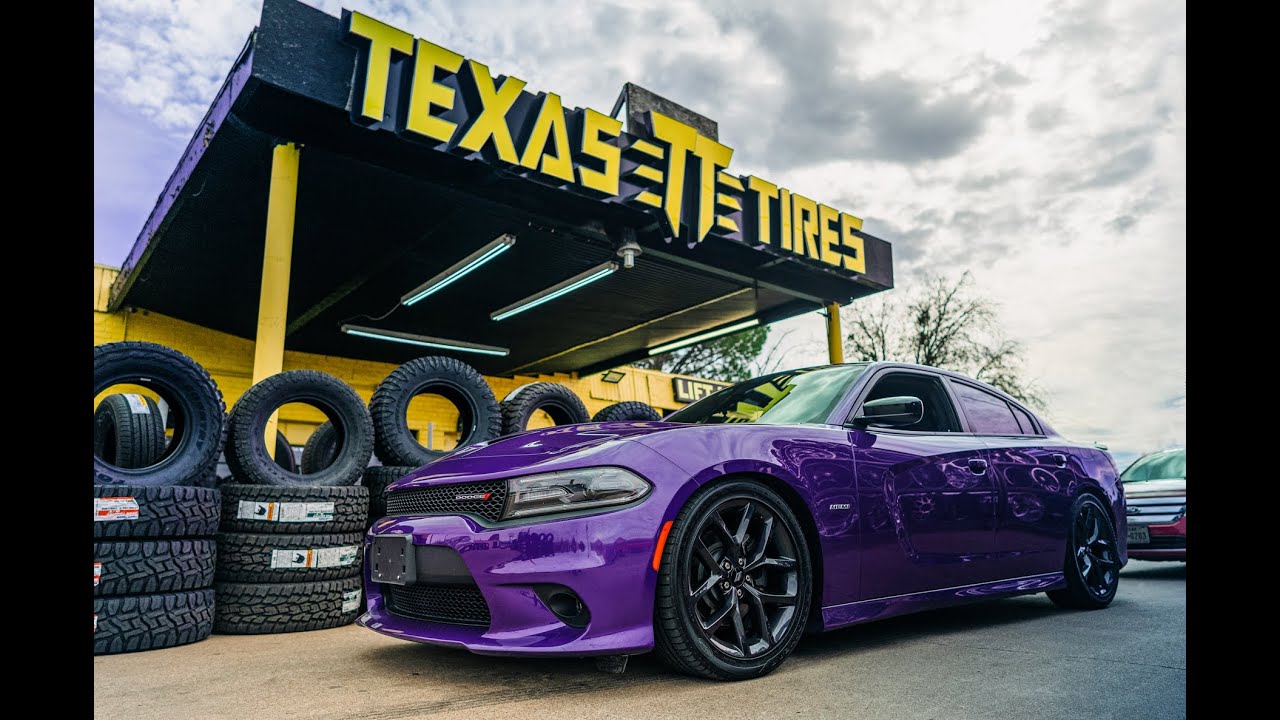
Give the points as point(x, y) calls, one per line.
point(1156, 488)
point(545, 450)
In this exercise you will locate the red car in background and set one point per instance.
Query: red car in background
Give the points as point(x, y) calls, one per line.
point(1155, 490)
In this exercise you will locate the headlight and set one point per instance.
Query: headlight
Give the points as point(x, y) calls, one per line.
point(572, 490)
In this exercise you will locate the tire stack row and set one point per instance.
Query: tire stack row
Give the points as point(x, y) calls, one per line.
point(290, 547)
point(154, 545)
point(153, 565)
point(481, 418)
point(289, 558)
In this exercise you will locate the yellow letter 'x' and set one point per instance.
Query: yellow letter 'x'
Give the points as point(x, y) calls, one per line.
point(492, 122)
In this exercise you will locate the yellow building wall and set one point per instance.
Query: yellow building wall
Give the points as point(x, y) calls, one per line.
point(229, 359)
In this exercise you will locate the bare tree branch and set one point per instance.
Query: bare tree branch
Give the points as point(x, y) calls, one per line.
point(942, 324)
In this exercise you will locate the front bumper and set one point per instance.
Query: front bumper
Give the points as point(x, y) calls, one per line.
point(1168, 542)
point(605, 559)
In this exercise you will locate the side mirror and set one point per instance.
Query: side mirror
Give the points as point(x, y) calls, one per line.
point(898, 411)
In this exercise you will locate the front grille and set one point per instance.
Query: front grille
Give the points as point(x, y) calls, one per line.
point(1162, 542)
point(1155, 510)
point(452, 604)
point(443, 500)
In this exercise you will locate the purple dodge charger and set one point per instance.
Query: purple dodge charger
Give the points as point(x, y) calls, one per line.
point(805, 500)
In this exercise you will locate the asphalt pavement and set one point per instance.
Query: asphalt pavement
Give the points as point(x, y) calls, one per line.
point(1018, 658)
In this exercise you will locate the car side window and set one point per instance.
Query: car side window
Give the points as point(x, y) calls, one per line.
point(1024, 420)
point(988, 414)
point(939, 415)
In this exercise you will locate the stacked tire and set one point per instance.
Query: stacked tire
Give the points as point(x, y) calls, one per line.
point(279, 549)
point(289, 558)
point(376, 480)
point(154, 549)
point(153, 566)
point(290, 547)
point(628, 411)
point(561, 404)
point(396, 448)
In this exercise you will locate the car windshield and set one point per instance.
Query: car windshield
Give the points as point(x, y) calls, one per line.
point(1166, 465)
point(795, 396)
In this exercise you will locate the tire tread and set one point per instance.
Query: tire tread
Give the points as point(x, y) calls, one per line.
point(166, 511)
point(262, 608)
point(246, 557)
point(148, 567)
point(350, 508)
point(148, 622)
point(521, 404)
point(393, 443)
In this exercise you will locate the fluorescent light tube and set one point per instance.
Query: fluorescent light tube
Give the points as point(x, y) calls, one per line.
point(460, 268)
point(564, 288)
point(704, 336)
point(423, 340)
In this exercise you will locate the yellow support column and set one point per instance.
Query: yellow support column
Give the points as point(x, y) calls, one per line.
point(277, 254)
point(835, 341)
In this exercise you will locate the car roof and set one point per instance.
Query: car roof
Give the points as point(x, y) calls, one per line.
point(972, 381)
point(943, 371)
point(885, 364)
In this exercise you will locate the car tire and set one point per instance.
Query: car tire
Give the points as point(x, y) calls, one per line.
point(194, 401)
point(149, 622)
point(377, 479)
point(336, 509)
point(127, 431)
point(1092, 563)
point(456, 381)
point(556, 400)
point(680, 640)
point(630, 411)
point(147, 567)
point(128, 511)
point(320, 449)
point(261, 558)
point(261, 608)
point(246, 452)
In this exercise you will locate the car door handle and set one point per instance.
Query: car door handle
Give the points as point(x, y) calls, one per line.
point(977, 466)
point(1060, 460)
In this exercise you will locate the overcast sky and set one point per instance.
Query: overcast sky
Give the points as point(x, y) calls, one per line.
point(1041, 145)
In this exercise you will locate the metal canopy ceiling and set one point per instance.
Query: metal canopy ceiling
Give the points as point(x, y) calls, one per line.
point(377, 216)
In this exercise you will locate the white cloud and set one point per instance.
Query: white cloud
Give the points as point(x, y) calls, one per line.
point(1040, 143)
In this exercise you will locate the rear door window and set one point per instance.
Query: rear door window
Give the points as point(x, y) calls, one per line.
point(1024, 420)
point(987, 414)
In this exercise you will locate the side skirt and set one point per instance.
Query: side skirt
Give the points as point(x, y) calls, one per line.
point(838, 616)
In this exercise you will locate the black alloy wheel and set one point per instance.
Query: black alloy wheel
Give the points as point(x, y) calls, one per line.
point(1093, 558)
point(741, 586)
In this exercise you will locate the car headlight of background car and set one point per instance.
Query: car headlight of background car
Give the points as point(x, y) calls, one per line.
point(572, 490)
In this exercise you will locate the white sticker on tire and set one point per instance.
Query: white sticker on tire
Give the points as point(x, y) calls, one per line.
point(344, 556)
point(97, 573)
point(285, 511)
point(95, 622)
point(350, 600)
point(114, 508)
point(137, 404)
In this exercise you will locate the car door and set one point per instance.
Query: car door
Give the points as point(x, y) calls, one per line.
point(927, 499)
point(1034, 477)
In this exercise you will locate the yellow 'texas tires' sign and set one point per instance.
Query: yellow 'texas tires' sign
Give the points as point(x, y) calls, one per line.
point(430, 94)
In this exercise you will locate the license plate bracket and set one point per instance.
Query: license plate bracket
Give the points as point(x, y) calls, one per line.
point(1139, 535)
point(392, 560)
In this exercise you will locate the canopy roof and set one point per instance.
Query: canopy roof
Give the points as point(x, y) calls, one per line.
point(378, 215)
